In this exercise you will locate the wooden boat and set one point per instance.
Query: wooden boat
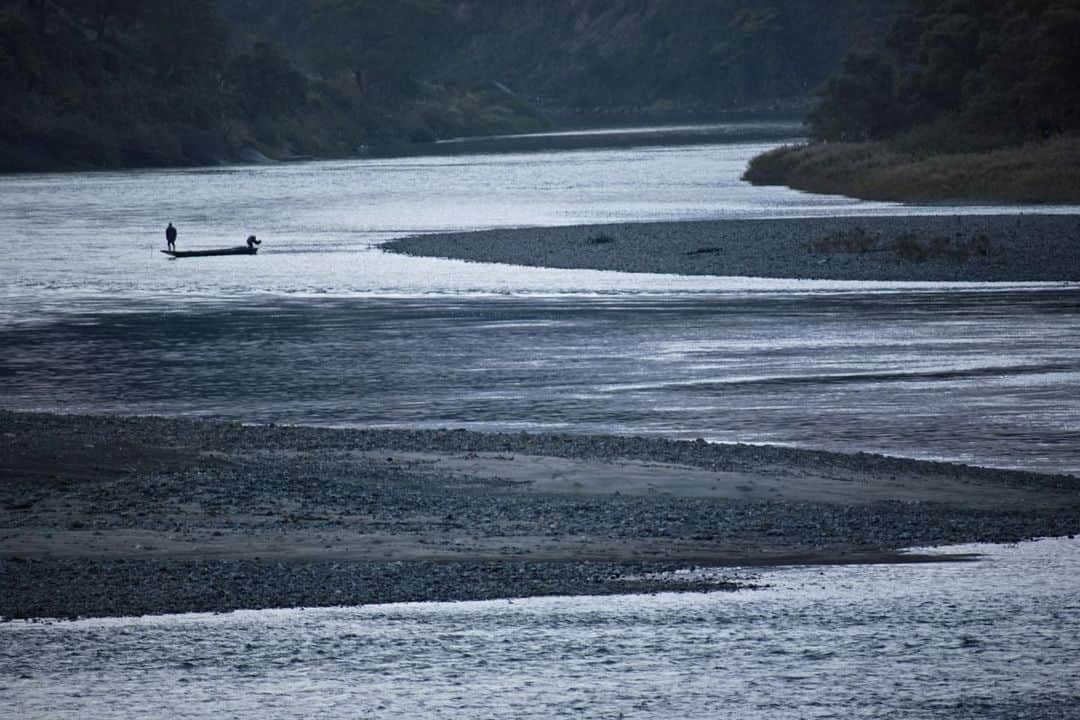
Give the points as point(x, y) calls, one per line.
point(239, 250)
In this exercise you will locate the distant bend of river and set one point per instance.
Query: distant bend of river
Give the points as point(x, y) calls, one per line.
point(324, 328)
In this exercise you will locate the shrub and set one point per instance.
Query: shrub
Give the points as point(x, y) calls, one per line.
point(1037, 172)
point(855, 240)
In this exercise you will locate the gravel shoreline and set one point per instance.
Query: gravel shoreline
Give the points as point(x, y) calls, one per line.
point(108, 515)
point(956, 248)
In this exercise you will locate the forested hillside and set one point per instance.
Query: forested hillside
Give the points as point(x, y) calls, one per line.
point(657, 57)
point(966, 99)
point(99, 83)
point(983, 73)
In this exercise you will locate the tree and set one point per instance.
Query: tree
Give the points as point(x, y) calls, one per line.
point(858, 103)
point(185, 40)
point(1054, 81)
point(383, 43)
point(264, 83)
point(995, 72)
point(100, 15)
point(20, 62)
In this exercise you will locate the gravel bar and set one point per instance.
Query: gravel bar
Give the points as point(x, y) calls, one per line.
point(107, 515)
point(946, 248)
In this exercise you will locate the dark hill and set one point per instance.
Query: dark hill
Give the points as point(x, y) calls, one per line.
point(651, 57)
point(966, 100)
point(100, 83)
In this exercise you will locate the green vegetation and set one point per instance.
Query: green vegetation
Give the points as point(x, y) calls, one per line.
point(1040, 171)
point(962, 74)
point(967, 99)
point(99, 83)
point(74, 79)
point(603, 59)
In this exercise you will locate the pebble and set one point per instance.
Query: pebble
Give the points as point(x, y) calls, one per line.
point(1021, 247)
point(284, 477)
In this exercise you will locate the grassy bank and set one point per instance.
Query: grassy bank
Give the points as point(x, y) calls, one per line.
point(1046, 172)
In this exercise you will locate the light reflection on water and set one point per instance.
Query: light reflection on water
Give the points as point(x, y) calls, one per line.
point(987, 378)
point(993, 639)
point(324, 328)
point(68, 239)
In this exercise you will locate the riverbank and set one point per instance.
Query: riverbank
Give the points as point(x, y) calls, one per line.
point(108, 516)
point(981, 248)
point(1044, 172)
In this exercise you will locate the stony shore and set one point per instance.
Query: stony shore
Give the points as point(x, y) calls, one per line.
point(108, 516)
point(978, 248)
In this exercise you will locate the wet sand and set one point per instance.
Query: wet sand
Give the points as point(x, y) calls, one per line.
point(121, 516)
point(977, 248)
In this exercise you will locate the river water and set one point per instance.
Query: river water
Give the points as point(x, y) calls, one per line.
point(994, 639)
point(322, 327)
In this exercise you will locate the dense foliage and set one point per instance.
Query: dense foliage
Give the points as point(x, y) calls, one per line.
point(89, 83)
point(139, 82)
point(961, 74)
point(633, 56)
point(658, 56)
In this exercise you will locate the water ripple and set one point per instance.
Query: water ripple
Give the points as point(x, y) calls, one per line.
point(955, 640)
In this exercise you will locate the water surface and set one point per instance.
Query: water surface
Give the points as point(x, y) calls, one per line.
point(997, 638)
point(983, 377)
point(322, 327)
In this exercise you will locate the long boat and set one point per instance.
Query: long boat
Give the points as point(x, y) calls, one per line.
point(240, 250)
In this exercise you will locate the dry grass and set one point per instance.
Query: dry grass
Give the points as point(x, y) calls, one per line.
point(1046, 172)
point(855, 241)
point(907, 246)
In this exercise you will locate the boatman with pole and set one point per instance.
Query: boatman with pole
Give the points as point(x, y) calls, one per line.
point(170, 237)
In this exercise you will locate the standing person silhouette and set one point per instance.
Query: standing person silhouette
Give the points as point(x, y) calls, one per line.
point(252, 242)
point(170, 237)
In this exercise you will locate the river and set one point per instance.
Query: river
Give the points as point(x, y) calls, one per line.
point(324, 328)
point(992, 640)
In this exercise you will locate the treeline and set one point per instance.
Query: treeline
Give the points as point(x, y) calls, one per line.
point(95, 83)
point(657, 57)
point(647, 58)
point(87, 82)
point(374, 59)
point(112, 83)
point(961, 75)
point(967, 100)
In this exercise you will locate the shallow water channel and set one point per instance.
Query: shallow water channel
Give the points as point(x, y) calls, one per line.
point(996, 638)
point(322, 327)
point(983, 377)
